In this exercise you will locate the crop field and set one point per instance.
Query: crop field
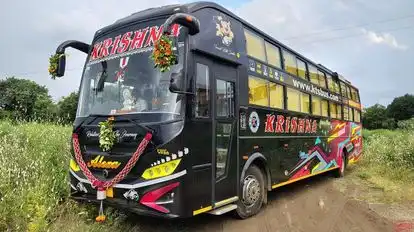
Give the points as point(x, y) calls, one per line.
point(34, 170)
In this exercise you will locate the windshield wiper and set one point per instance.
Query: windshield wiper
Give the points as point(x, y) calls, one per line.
point(122, 118)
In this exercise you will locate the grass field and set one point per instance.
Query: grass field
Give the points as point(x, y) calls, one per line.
point(34, 170)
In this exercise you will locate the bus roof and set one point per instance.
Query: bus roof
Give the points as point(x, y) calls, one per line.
point(166, 10)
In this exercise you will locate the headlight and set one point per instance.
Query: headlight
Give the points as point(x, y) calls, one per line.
point(74, 165)
point(164, 169)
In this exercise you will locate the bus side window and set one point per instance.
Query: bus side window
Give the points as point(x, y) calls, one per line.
point(321, 76)
point(325, 111)
point(351, 114)
point(339, 111)
point(273, 55)
point(202, 108)
point(357, 116)
point(276, 96)
point(313, 74)
point(224, 98)
point(290, 63)
point(298, 101)
point(346, 113)
point(258, 91)
point(343, 89)
point(333, 109)
point(301, 69)
point(348, 91)
point(255, 45)
point(316, 106)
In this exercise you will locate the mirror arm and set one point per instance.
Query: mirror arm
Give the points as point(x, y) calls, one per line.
point(83, 47)
point(186, 20)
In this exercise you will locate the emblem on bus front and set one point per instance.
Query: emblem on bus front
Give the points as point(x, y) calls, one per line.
point(254, 122)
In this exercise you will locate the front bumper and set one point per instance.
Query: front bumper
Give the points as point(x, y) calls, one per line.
point(127, 196)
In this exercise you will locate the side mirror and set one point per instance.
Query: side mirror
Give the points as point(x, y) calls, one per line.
point(61, 66)
point(175, 79)
point(175, 82)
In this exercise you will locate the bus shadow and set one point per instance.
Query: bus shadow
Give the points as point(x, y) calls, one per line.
point(207, 222)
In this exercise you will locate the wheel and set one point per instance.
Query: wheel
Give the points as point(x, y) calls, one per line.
point(340, 172)
point(252, 193)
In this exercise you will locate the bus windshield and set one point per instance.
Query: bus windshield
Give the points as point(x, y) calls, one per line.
point(120, 77)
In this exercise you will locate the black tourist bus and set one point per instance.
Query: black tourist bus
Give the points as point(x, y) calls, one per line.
point(239, 114)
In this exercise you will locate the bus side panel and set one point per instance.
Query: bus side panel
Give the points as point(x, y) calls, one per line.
point(296, 145)
point(355, 147)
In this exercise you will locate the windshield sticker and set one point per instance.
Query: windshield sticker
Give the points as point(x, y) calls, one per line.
point(123, 62)
point(226, 34)
point(131, 42)
point(120, 134)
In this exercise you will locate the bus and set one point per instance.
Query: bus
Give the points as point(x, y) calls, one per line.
point(238, 114)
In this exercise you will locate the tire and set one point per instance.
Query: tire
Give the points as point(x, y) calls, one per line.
point(252, 193)
point(340, 172)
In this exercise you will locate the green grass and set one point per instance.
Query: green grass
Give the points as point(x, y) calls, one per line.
point(34, 161)
point(33, 174)
point(387, 165)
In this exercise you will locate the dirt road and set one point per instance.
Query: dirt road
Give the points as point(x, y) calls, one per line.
point(309, 205)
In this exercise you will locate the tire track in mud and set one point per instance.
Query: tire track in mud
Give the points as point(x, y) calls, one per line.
point(308, 205)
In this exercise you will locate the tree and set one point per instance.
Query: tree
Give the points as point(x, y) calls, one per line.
point(401, 108)
point(24, 99)
point(375, 117)
point(67, 107)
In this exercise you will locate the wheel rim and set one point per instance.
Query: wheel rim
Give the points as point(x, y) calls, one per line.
point(251, 190)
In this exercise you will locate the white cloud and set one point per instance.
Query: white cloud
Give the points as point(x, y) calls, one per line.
point(383, 38)
point(27, 42)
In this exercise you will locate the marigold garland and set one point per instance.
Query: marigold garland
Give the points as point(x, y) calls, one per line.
point(163, 55)
point(106, 134)
point(53, 64)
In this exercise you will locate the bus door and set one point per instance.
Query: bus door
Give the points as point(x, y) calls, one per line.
point(224, 136)
point(214, 132)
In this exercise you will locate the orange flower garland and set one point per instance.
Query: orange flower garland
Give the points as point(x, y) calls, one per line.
point(162, 54)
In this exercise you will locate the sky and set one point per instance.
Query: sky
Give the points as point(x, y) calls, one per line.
point(369, 42)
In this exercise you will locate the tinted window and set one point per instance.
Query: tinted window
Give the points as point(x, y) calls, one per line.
point(313, 74)
point(255, 45)
point(276, 96)
point(321, 77)
point(202, 108)
point(290, 63)
point(293, 100)
point(333, 110)
point(305, 106)
point(343, 90)
point(224, 98)
point(346, 113)
point(325, 111)
point(258, 91)
point(273, 55)
point(301, 69)
point(316, 106)
point(222, 147)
